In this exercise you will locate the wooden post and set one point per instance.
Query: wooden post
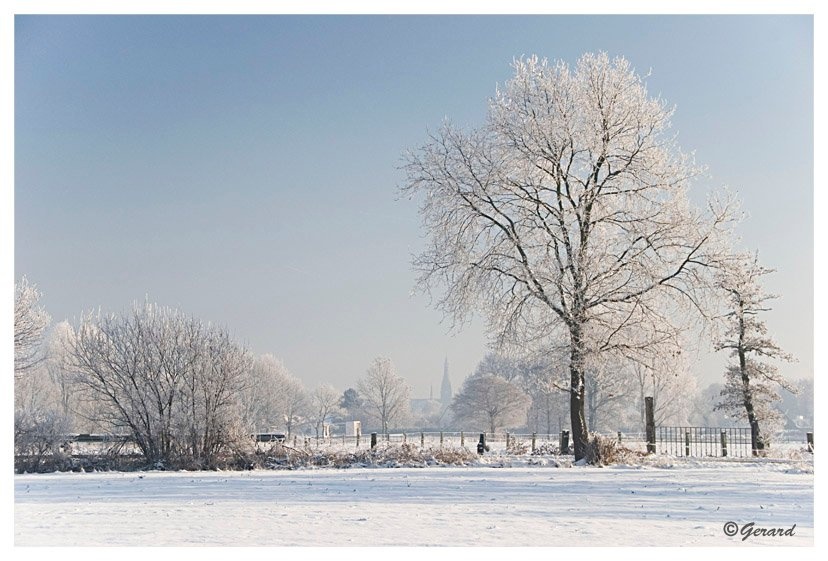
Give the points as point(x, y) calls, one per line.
point(441, 439)
point(649, 413)
point(687, 444)
point(357, 438)
point(294, 441)
point(724, 444)
point(809, 441)
point(373, 440)
point(405, 437)
point(619, 437)
point(462, 440)
point(534, 436)
point(564, 442)
point(507, 441)
point(422, 440)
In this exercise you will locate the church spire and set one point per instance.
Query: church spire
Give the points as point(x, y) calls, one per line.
point(445, 388)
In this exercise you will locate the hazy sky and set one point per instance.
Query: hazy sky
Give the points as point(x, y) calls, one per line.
point(245, 169)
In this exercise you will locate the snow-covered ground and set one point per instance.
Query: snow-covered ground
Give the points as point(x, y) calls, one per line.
point(668, 503)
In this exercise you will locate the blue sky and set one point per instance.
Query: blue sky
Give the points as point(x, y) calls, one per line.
point(245, 169)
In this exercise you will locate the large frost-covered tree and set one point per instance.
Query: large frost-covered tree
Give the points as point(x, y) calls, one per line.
point(751, 382)
point(566, 217)
point(30, 322)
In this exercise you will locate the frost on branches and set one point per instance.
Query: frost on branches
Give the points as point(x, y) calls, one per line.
point(30, 321)
point(490, 401)
point(751, 383)
point(385, 394)
point(565, 219)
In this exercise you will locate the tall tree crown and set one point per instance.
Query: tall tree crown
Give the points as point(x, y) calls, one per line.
point(567, 211)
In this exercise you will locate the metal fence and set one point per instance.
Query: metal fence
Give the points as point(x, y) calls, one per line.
point(714, 442)
point(497, 442)
point(674, 441)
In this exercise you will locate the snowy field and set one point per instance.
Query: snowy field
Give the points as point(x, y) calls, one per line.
point(672, 503)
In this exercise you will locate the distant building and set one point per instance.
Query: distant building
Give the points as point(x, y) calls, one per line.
point(433, 412)
point(445, 389)
point(353, 428)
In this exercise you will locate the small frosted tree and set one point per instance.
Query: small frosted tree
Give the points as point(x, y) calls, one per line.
point(30, 322)
point(274, 399)
point(490, 401)
point(672, 386)
point(40, 421)
point(385, 394)
point(324, 402)
point(260, 401)
point(751, 382)
point(295, 403)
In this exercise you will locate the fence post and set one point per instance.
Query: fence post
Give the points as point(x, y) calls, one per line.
point(294, 441)
point(650, 428)
point(507, 440)
point(687, 443)
point(422, 439)
point(481, 445)
point(357, 438)
point(724, 443)
point(534, 436)
point(564, 445)
point(462, 440)
point(373, 440)
point(809, 441)
point(619, 437)
point(441, 439)
point(405, 437)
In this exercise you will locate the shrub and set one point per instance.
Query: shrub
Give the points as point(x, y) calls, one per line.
point(517, 447)
point(604, 451)
point(547, 449)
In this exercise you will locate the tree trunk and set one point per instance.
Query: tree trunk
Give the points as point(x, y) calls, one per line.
point(757, 442)
point(580, 435)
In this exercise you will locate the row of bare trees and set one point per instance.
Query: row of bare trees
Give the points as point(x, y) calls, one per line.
point(184, 391)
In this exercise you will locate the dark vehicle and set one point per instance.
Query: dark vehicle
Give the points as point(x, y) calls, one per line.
point(270, 437)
